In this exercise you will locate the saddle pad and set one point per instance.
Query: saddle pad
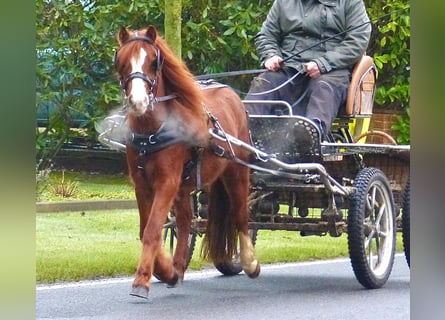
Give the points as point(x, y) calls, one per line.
point(210, 84)
point(290, 139)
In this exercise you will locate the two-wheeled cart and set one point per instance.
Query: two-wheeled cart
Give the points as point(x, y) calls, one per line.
point(301, 183)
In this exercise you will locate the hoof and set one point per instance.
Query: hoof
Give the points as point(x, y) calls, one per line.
point(174, 281)
point(256, 273)
point(140, 292)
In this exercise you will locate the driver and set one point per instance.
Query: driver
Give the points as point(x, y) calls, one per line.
point(317, 43)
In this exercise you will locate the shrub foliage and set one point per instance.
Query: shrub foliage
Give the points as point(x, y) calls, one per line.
point(76, 43)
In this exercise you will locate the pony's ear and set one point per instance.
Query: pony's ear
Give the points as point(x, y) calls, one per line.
point(151, 32)
point(122, 36)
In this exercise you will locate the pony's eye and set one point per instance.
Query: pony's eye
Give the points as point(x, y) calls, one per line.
point(154, 65)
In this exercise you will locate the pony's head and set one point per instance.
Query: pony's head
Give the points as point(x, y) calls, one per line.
point(138, 63)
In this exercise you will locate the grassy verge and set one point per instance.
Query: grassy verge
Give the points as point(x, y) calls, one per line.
point(91, 245)
point(65, 186)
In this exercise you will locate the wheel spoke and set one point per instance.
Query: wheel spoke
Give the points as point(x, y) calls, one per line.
point(382, 210)
point(369, 240)
point(373, 197)
point(370, 255)
point(172, 240)
point(372, 204)
point(378, 249)
point(169, 224)
point(369, 203)
point(382, 234)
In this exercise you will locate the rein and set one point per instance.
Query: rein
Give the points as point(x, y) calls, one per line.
point(277, 87)
point(228, 74)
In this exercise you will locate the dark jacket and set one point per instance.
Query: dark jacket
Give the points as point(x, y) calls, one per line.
point(292, 26)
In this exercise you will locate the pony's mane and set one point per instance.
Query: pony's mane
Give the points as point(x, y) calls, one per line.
point(177, 77)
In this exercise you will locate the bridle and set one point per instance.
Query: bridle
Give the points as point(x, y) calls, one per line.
point(152, 83)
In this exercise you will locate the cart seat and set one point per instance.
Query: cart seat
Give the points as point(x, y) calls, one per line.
point(354, 117)
point(360, 99)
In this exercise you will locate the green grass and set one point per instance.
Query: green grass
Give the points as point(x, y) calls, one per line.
point(74, 246)
point(88, 186)
point(289, 246)
point(92, 245)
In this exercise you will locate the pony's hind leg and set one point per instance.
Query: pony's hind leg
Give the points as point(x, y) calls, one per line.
point(238, 192)
point(249, 262)
point(183, 215)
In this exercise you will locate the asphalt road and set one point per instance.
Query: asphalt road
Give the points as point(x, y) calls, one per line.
point(309, 290)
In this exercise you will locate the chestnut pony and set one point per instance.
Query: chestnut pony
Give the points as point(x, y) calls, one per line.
point(171, 154)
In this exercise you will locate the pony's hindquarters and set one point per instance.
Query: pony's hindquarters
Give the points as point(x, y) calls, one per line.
point(227, 238)
point(228, 214)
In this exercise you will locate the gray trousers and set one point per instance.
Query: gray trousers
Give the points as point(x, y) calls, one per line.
point(317, 99)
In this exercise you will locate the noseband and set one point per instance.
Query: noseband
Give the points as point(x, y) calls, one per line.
point(139, 75)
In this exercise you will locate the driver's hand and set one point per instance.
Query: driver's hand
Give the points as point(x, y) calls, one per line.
point(312, 69)
point(273, 63)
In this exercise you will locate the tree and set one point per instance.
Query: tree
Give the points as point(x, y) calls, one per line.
point(172, 25)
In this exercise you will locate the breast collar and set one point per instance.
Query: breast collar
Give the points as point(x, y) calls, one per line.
point(155, 141)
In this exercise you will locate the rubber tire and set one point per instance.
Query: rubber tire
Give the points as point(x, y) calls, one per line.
point(406, 221)
point(170, 232)
point(371, 184)
point(234, 267)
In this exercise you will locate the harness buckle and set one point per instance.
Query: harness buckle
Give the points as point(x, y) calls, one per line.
point(151, 99)
point(218, 150)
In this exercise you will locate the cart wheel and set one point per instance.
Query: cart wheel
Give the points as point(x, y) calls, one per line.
point(234, 267)
point(169, 238)
point(406, 222)
point(371, 228)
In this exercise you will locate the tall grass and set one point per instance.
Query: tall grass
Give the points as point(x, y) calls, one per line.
point(91, 245)
point(89, 186)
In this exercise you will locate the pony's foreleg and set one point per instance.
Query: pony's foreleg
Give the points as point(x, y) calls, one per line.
point(249, 262)
point(144, 199)
point(163, 268)
point(144, 272)
point(154, 260)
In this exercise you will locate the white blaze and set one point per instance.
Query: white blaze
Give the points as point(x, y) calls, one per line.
point(138, 92)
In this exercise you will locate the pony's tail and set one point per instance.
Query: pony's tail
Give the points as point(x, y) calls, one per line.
point(220, 240)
